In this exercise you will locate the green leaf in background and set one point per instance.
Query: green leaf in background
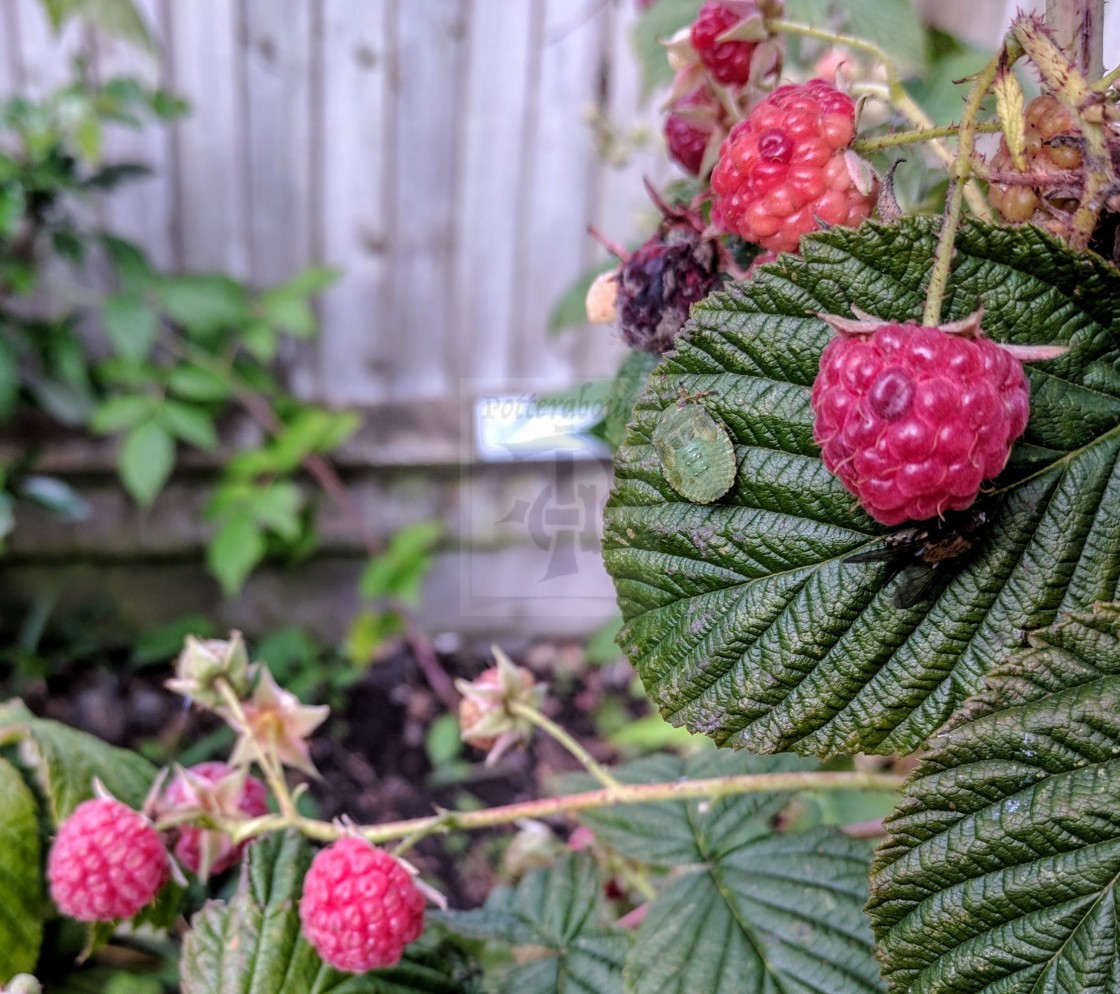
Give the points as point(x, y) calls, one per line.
point(146, 459)
point(287, 306)
point(399, 571)
point(627, 387)
point(132, 326)
point(675, 833)
point(234, 550)
point(742, 617)
point(54, 495)
point(65, 761)
point(781, 913)
point(188, 423)
point(119, 18)
point(554, 920)
point(197, 384)
point(122, 411)
point(9, 378)
point(253, 944)
point(893, 25)
point(1000, 867)
point(204, 303)
point(21, 889)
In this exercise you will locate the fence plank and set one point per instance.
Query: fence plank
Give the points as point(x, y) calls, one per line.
point(212, 175)
point(42, 60)
point(352, 226)
point(429, 110)
point(491, 186)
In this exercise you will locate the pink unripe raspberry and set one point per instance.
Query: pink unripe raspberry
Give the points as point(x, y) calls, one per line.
point(912, 420)
point(786, 168)
point(249, 799)
point(360, 906)
point(107, 862)
point(694, 121)
point(729, 62)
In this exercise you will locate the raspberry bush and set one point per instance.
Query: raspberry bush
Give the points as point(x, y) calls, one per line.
point(917, 553)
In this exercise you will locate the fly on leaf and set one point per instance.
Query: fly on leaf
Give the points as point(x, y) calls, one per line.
point(922, 554)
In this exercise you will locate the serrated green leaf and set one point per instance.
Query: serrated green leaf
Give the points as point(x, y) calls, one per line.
point(146, 459)
point(1000, 867)
point(65, 761)
point(554, 919)
point(253, 944)
point(683, 833)
point(742, 617)
point(21, 890)
point(132, 326)
point(781, 913)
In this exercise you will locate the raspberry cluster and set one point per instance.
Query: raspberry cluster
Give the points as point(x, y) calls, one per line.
point(360, 907)
point(107, 862)
point(785, 169)
point(912, 420)
point(1053, 142)
point(729, 62)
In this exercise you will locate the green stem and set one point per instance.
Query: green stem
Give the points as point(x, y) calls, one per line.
point(646, 793)
point(958, 177)
point(266, 752)
point(865, 146)
point(549, 727)
point(895, 95)
point(1107, 80)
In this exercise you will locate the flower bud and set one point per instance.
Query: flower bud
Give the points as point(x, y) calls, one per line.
point(486, 719)
point(22, 983)
point(203, 661)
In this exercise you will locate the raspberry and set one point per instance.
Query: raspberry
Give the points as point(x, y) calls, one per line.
point(1053, 142)
point(696, 122)
point(912, 419)
point(360, 907)
point(785, 169)
point(729, 62)
point(107, 862)
point(661, 281)
point(249, 797)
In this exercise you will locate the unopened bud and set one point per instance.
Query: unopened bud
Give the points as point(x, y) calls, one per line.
point(22, 983)
point(486, 719)
point(204, 661)
point(602, 299)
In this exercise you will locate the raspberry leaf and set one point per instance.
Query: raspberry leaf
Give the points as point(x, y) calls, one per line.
point(782, 913)
point(554, 920)
point(1014, 807)
point(742, 617)
point(21, 891)
point(675, 833)
point(253, 944)
point(65, 761)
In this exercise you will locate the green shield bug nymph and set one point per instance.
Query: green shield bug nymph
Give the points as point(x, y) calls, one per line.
point(697, 457)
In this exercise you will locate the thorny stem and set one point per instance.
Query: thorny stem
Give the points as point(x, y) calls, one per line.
point(895, 94)
point(958, 176)
point(674, 790)
point(549, 727)
point(266, 756)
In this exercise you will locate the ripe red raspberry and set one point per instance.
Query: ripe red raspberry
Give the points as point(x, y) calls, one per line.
point(360, 907)
point(729, 62)
point(209, 792)
point(107, 862)
point(912, 419)
point(785, 167)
